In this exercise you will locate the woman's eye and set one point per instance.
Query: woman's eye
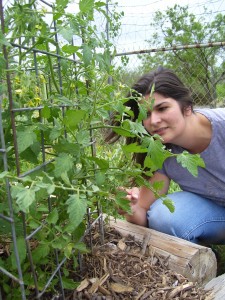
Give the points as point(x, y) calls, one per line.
point(163, 108)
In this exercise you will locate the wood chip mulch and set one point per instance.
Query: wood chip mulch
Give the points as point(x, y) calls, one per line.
point(122, 268)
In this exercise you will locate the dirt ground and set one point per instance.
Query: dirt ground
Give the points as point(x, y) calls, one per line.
point(122, 268)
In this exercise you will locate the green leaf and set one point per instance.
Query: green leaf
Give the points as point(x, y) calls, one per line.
point(191, 162)
point(95, 188)
point(64, 146)
point(87, 55)
point(65, 178)
point(142, 112)
point(100, 178)
point(33, 224)
point(59, 243)
point(156, 150)
point(68, 250)
point(40, 252)
point(2, 67)
point(31, 153)
point(83, 137)
point(86, 5)
point(46, 112)
point(62, 3)
point(69, 284)
point(73, 118)
point(64, 100)
point(63, 163)
point(82, 247)
point(77, 206)
point(148, 163)
point(53, 216)
point(78, 232)
point(42, 208)
point(134, 148)
point(3, 40)
point(67, 33)
point(102, 163)
point(99, 4)
point(137, 128)
point(49, 187)
point(24, 197)
point(56, 131)
point(4, 174)
point(122, 202)
point(70, 49)
point(123, 132)
point(41, 195)
point(25, 138)
point(46, 178)
point(169, 204)
point(158, 185)
point(21, 247)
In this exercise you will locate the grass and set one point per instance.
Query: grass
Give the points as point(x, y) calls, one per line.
point(220, 255)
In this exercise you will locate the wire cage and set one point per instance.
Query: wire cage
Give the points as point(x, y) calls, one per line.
point(34, 74)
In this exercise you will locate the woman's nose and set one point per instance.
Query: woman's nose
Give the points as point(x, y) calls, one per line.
point(155, 118)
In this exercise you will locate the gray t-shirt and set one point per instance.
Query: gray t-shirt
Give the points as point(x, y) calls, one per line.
point(210, 182)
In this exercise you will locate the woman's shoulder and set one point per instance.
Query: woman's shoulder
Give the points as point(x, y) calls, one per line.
point(213, 114)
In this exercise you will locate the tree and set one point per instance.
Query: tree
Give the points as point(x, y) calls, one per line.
point(201, 68)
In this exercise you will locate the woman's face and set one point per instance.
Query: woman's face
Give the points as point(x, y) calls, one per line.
point(166, 119)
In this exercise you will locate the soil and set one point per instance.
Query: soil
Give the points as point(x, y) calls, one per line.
point(122, 268)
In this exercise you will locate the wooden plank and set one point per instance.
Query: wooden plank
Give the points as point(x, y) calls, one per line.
point(217, 285)
point(195, 262)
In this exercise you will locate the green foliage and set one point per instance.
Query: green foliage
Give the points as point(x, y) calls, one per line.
point(169, 204)
point(191, 162)
point(220, 255)
point(77, 206)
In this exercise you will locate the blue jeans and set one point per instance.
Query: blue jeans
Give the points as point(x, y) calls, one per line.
point(196, 219)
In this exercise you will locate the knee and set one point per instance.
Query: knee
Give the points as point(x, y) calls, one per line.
point(195, 218)
point(161, 219)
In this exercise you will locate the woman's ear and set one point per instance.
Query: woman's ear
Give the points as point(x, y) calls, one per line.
point(188, 111)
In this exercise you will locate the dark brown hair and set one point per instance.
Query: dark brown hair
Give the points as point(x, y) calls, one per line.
point(164, 82)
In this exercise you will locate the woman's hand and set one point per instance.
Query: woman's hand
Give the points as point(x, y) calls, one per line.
point(138, 213)
point(132, 196)
point(141, 199)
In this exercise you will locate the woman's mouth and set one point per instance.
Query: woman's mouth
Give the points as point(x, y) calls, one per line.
point(160, 131)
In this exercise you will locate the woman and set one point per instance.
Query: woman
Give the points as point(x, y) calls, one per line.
point(199, 214)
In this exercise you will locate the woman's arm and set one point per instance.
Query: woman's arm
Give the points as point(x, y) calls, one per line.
point(141, 199)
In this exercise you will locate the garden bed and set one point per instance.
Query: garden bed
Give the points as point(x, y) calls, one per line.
point(124, 268)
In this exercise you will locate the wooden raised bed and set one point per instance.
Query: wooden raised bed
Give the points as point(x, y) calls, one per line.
point(195, 262)
point(217, 285)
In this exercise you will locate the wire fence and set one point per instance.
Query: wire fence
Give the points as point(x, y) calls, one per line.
point(207, 83)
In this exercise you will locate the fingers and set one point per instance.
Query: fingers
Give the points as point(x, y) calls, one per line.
point(133, 195)
point(121, 211)
point(130, 194)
